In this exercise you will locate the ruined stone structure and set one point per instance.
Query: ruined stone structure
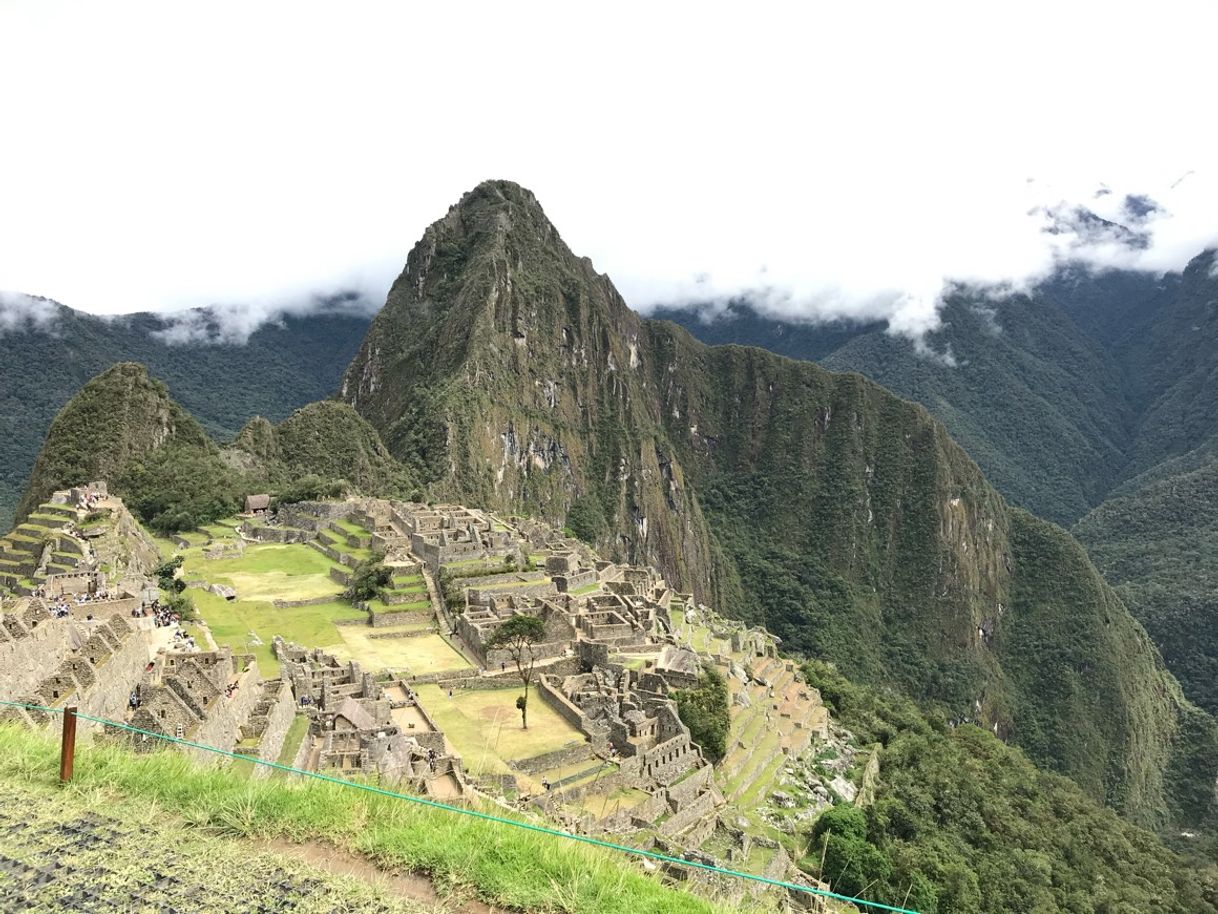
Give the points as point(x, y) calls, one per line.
point(449, 533)
point(357, 725)
point(215, 698)
point(95, 662)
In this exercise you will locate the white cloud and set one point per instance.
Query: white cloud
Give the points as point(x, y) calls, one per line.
point(232, 323)
point(833, 162)
point(19, 312)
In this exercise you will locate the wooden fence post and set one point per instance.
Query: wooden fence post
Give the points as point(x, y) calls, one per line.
point(67, 748)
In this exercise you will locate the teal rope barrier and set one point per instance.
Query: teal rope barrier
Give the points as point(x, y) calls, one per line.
point(541, 829)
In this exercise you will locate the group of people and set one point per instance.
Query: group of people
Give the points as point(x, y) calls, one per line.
point(61, 607)
point(184, 641)
point(161, 617)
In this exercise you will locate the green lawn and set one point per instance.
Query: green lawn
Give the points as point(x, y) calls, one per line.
point(484, 725)
point(267, 572)
point(232, 624)
point(418, 655)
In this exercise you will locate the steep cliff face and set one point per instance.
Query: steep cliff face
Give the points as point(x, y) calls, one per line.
point(509, 373)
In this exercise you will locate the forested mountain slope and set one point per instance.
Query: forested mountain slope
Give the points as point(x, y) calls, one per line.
point(507, 372)
point(283, 365)
point(123, 427)
point(1093, 400)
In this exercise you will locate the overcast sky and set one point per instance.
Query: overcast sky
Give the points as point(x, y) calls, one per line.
point(842, 161)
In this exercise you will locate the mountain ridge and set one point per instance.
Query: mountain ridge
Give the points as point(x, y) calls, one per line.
point(282, 366)
point(507, 372)
point(1086, 400)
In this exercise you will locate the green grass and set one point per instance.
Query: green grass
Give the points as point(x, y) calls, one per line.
point(419, 655)
point(482, 723)
point(501, 864)
point(310, 626)
point(351, 527)
point(296, 734)
point(267, 572)
point(129, 846)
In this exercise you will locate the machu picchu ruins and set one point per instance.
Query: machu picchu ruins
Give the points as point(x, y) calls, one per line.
point(409, 686)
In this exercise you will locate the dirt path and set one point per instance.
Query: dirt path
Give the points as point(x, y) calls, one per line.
point(406, 885)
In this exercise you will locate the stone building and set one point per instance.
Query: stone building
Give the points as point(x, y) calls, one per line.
point(355, 723)
point(95, 663)
point(215, 698)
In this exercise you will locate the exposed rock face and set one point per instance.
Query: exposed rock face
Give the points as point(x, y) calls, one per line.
point(512, 375)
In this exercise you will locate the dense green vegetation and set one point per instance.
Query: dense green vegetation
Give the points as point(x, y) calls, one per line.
point(1094, 393)
point(963, 823)
point(1159, 546)
point(123, 427)
point(368, 581)
point(705, 710)
point(284, 365)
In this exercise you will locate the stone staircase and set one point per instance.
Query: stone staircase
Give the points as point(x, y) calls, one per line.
point(26, 560)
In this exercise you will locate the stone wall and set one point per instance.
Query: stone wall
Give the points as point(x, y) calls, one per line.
point(278, 721)
point(567, 755)
point(114, 680)
point(693, 785)
point(27, 655)
point(312, 601)
point(701, 806)
point(382, 620)
point(222, 725)
point(554, 697)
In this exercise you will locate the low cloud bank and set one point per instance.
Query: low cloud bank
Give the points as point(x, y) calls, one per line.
point(20, 313)
point(232, 324)
point(901, 272)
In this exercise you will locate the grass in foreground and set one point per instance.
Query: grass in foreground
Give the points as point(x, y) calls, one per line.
point(501, 864)
point(106, 855)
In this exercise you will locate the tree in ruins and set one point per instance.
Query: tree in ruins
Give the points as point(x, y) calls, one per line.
point(517, 636)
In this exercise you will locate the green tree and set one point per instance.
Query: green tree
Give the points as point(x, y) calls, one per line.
point(852, 864)
point(368, 581)
point(166, 575)
point(586, 519)
point(705, 710)
point(517, 636)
